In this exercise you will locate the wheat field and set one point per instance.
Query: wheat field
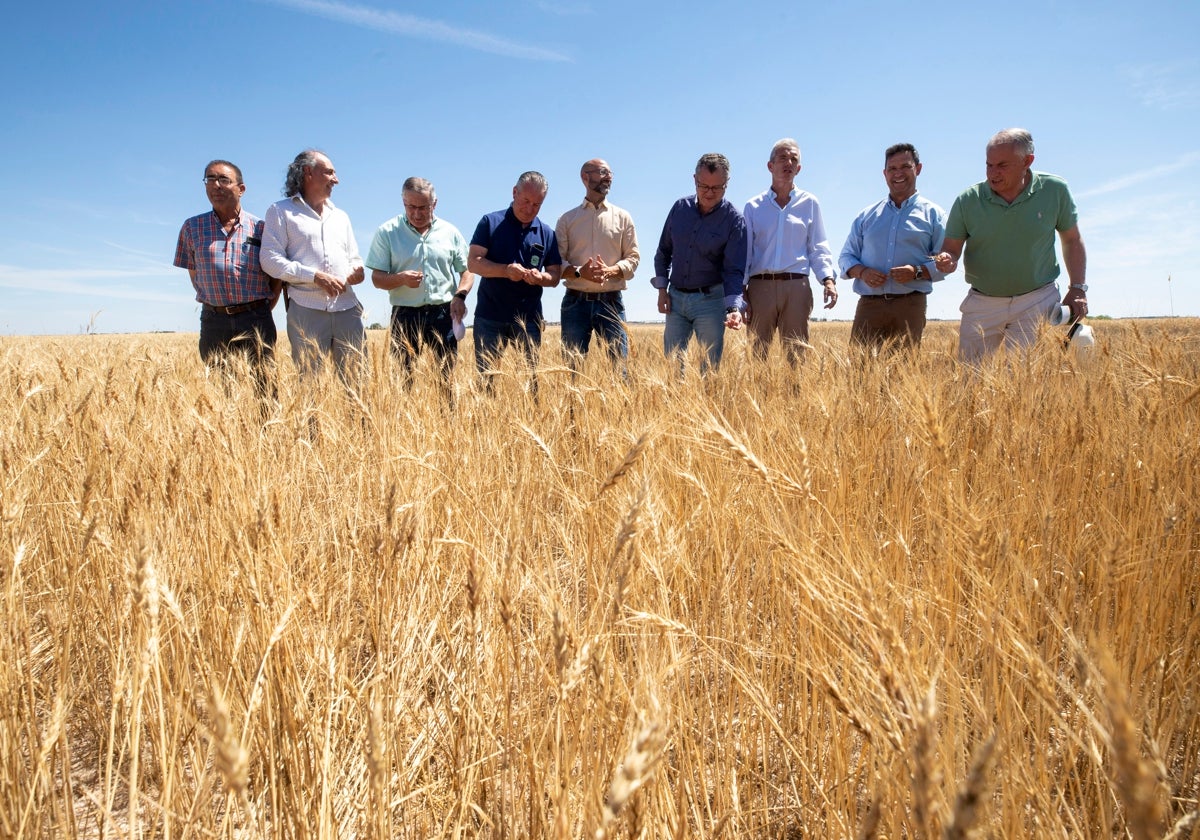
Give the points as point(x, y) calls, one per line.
point(869, 597)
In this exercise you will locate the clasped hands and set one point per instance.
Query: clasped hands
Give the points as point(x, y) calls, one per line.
point(520, 274)
point(334, 286)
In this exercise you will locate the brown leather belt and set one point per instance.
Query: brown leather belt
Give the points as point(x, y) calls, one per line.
point(779, 275)
point(237, 308)
point(594, 297)
point(893, 297)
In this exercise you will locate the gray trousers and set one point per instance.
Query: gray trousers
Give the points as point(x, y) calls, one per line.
point(315, 334)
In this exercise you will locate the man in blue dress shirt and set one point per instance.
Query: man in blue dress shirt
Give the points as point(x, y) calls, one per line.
point(889, 255)
point(787, 247)
point(700, 264)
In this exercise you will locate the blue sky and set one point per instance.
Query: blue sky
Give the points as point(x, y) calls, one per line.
point(112, 110)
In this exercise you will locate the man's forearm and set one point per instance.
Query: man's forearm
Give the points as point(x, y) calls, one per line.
point(484, 267)
point(1075, 256)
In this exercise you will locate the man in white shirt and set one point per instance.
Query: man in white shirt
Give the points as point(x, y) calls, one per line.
point(787, 244)
point(309, 245)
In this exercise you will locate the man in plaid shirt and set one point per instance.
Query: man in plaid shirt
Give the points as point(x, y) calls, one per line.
point(220, 250)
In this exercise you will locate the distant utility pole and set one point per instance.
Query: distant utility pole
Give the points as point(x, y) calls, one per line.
point(1170, 296)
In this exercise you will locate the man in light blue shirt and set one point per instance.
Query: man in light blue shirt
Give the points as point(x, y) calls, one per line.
point(421, 261)
point(890, 256)
point(786, 244)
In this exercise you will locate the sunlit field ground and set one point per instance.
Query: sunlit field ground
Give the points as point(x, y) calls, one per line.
point(862, 598)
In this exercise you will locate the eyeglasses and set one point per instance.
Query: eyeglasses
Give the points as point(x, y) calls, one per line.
point(603, 173)
point(711, 189)
point(219, 180)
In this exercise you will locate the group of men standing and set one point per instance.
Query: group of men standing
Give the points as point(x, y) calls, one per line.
point(716, 267)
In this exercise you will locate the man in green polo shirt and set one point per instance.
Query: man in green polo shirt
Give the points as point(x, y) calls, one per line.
point(1007, 224)
point(421, 261)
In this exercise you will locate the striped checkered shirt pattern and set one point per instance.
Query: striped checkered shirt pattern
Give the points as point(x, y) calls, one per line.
point(226, 266)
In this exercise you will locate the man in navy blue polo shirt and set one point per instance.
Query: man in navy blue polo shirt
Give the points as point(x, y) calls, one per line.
point(515, 256)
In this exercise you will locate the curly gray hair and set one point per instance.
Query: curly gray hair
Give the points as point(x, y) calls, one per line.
point(293, 184)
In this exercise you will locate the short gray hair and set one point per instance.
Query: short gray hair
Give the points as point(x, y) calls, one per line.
point(785, 143)
point(293, 184)
point(237, 169)
point(532, 179)
point(712, 162)
point(419, 185)
point(1021, 140)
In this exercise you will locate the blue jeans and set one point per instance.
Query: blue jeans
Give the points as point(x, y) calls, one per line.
point(699, 314)
point(606, 318)
point(492, 337)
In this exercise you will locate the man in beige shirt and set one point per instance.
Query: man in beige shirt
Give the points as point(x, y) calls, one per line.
point(599, 248)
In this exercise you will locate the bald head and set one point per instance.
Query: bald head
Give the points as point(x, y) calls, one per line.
point(597, 179)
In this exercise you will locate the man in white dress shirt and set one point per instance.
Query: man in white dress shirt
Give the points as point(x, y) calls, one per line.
point(309, 245)
point(787, 245)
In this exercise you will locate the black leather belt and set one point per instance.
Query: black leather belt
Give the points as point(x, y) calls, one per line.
point(603, 297)
point(778, 275)
point(893, 297)
point(238, 308)
point(701, 290)
point(422, 306)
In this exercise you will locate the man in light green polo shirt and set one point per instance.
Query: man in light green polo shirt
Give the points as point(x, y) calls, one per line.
point(421, 261)
point(1007, 224)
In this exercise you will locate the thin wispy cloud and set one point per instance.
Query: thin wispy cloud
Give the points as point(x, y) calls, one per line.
point(1126, 234)
point(1152, 173)
point(153, 259)
point(421, 28)
point(110, 283)
point(1165, 85)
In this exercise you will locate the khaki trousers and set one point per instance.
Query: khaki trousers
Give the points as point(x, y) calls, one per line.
point(883, 319)
point(783, 306)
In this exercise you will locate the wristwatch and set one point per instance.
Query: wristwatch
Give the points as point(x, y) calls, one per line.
point(919, 274)
point(1080, 286)
point(578, 273)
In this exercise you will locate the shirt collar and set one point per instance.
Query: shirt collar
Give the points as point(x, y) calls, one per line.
point(241, 217)
point(432, 222)
point(601, 205)
point(774, 195)
point(328, 204)
point(1035, 182)
point(511, 215)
